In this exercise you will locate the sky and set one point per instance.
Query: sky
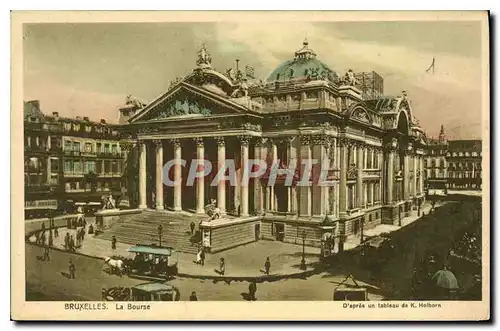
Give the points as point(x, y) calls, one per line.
point(88, 69)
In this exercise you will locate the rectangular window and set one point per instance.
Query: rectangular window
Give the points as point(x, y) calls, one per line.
point(76, 146)
point(107, 167)
point(77, 166)
point(114, 167)
point(99, 148)
point(106, 148)
point(68, 145)
point(114, 149)
point(88, 147)
point(68, 167)
point(99, 167)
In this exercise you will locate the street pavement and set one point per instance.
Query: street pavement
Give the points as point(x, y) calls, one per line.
point(45, 281)
point(243, 261)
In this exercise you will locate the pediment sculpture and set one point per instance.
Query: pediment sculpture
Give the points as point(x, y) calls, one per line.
point(179, 108)
point(360, 115)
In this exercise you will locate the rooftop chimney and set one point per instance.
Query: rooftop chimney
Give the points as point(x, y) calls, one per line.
point(55, 114)
point(78, 118)
point(103, 121)
point(85, 118)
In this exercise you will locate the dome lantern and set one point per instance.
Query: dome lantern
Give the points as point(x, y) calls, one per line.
point(305, 52)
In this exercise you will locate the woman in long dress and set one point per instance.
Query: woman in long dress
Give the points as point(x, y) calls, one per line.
point(198, 257)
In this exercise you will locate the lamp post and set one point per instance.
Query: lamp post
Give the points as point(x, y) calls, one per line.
point(160, 229)
point(303, 261)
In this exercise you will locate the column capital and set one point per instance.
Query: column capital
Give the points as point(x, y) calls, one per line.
point(244, 140)
point(306, 140)
point(199, 141)
point(259, 142)
point(176, 142)
point(158, 143)
point(221, 141)
point(127, 146)
point(322, 140)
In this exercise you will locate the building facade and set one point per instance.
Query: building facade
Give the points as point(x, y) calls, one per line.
point(303, 113)
point(68, 160)
point(454, 164)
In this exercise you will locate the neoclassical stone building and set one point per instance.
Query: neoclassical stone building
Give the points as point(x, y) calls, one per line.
point(303, 111)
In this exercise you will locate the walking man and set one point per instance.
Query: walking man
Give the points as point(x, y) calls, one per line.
point(72, 270)
point(51, 239)
point(56, 233)
point(66, 241)
point(267, 266)
point(46, 256)
point(72, 243)
point(222, 266)
point(113, 243)
point(252, 289)
point(202, 256)
point(192, 226)
point(193, 297)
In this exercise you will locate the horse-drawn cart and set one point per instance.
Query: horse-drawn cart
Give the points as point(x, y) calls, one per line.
point(143, 292)
point(153, 261)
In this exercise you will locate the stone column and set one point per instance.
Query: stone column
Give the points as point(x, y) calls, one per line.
point(244, 142)
point(259, 189)
point(200, 181)
point(48, 143)
point(324, 161)
point(221, 185)
point(293, 188)
point(359, 176)
point(390, 175)
point(159, 174)
point(415, 170)
point(272, 197)
point(406, 174)
point(343, 178)
point(306, 142)
point(177, 175)
point(422, 170)
point(142, 175)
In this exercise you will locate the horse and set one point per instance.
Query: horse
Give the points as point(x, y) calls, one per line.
point(116, 266)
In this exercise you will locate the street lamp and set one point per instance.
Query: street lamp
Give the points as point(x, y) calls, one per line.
point(303, 261)
point(160, 229)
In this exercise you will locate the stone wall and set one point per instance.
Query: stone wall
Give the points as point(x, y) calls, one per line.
point(232, 235)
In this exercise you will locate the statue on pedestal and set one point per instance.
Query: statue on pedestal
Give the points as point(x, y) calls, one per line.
point(212, 210)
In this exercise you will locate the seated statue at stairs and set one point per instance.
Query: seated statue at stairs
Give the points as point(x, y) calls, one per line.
point(212, 210)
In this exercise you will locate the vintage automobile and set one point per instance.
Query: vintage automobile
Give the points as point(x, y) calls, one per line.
point(151, 291)
point(152, 261)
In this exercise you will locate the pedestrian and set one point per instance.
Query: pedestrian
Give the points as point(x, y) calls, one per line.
point(192, 226)
point(46, 256)
point(113, 243)
point(51, 239)
point(267, 266)
point(83, 233)
point(72, 243)
point(72, 270)
point(193, 297)
point(202, 256)
point(252, 289)
point(222, 266)
point(56, 233)
point(66, 241)
point(42, 238)
point(91, 229)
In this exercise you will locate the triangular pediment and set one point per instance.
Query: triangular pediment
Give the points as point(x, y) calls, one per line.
point(188, 101)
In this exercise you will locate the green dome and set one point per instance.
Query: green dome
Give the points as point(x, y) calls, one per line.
point(303, 65)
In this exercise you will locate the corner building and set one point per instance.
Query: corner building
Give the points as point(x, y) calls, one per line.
point(303, 111)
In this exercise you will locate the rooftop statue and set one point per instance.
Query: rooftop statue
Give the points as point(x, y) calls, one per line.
point(130, 100)
point(204, 58)
point(349, 78)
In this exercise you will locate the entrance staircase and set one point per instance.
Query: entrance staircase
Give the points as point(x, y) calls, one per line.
point(143, 229)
